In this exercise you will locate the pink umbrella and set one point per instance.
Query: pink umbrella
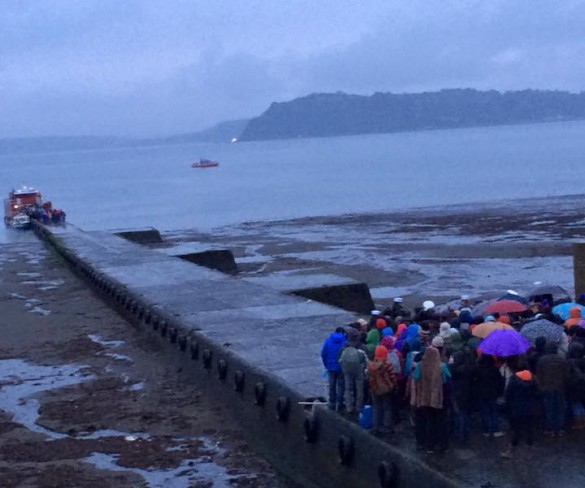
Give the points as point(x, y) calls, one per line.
point(505, 306)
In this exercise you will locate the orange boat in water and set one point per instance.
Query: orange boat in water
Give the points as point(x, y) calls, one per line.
point(205, 163)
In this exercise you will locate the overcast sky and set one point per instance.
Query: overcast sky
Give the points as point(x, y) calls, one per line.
point(160, 67)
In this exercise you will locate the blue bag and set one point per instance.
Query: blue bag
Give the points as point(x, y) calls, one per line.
point(365, 418)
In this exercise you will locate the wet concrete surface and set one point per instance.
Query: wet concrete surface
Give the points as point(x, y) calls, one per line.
point(87, 401)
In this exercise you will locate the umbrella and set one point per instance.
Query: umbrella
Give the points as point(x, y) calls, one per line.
point(451, 305)
point(542, 328)
point(485, 329)
point(505, 306)
point(504, 343)
point(558, 293)
point(479, 309)
point(515, 297)
point(562, 310)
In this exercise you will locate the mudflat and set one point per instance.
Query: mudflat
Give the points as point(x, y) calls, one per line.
point(86, 401)
point(428, 253)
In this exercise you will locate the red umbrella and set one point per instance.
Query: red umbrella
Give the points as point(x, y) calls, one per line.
point(505, 306)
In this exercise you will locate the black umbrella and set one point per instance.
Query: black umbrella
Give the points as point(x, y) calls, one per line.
point(514, 296)
point(556, 292)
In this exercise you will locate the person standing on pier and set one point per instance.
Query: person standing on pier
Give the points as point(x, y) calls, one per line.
point(382, 381)
point(353, 361)
point(330, 353)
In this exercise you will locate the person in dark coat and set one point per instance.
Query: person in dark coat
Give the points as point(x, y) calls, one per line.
point(578, 335)
point(535, 354)
point(461, 367)
point(330, 356)
point(489, 385)
point(521, 400)
point(553, 376)
point(576, 391)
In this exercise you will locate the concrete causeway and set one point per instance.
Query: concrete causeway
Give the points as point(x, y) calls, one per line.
point(256, 349)
point(263, 326)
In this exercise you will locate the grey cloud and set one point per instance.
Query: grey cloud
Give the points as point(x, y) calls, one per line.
point(147, 67)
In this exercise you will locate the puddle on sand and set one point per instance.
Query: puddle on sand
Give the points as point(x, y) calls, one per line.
point(104, 342)
point(188, 473)
point(40, 311)
point(29, 275)
point(21, 381)
point(119, 357)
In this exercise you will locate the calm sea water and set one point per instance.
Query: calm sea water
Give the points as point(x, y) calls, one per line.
point(155, 186)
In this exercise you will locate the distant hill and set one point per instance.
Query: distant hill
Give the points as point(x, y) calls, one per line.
point(222, 132)
point(322, 115)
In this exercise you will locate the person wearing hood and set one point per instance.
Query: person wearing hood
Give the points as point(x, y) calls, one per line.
point(574, 317)
point(428, 397)
point(353, 361)
point(536, 353)
point(330, 352)
point(372, 340)
point(521, 401)
point(553, 376)
point(445, 329)
point(401, 335)
point(384, 327)
point(382, 382)
point(453, 342)
point(397, 361)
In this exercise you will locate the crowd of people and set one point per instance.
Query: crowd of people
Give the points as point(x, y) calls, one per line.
point(45, 213)
point(426, 367)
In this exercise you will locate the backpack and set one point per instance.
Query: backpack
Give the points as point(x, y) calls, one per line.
point(380, 377)
point(352, 360)
point(395, 362)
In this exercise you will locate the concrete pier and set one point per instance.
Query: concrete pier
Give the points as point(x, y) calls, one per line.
point(253, 348)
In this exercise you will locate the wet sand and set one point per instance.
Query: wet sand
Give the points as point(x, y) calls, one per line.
point(86, 401)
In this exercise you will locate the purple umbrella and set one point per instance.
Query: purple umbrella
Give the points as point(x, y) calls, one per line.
point(504, 343)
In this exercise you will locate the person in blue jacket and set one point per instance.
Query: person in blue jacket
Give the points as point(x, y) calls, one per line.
point(330, 355)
